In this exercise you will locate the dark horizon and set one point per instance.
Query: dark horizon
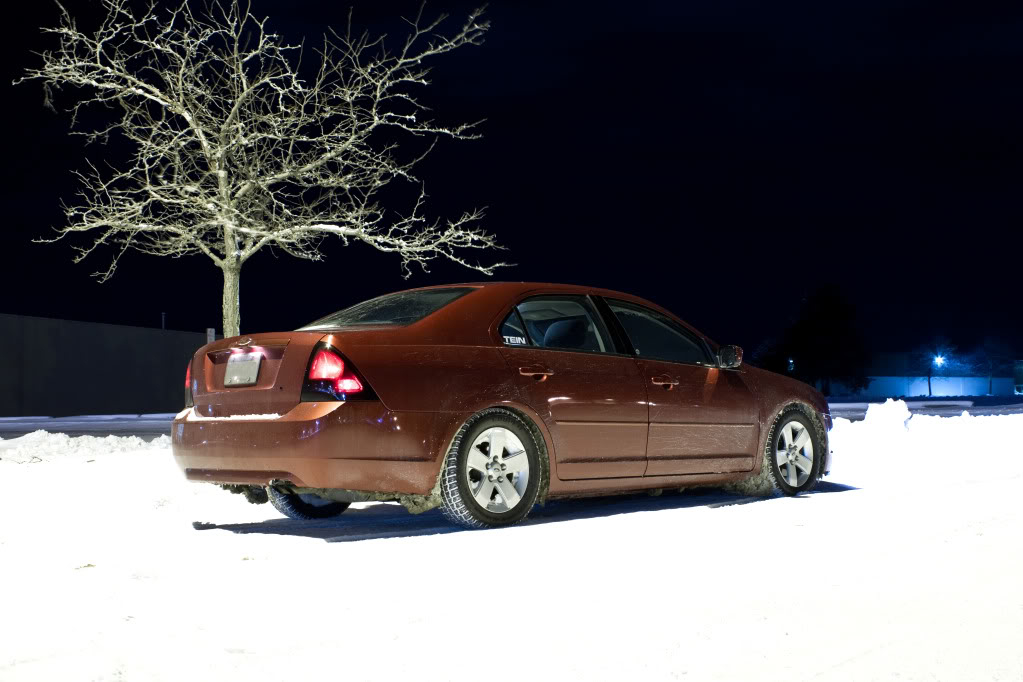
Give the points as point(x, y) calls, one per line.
point(721, 159)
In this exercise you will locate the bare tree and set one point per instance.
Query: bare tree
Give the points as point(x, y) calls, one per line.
point(235, 150)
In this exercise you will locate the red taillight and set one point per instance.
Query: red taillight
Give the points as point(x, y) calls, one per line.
point(189, 401)
point(348, 385)
point(329, 366)
point(326, 365)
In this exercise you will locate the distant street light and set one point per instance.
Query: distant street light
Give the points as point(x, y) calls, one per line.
point(937, 362)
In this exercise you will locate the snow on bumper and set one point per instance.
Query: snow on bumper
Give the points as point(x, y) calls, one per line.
point(357, 445)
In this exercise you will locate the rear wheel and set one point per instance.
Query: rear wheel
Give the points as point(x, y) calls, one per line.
point(492, 473)
point(305, 506)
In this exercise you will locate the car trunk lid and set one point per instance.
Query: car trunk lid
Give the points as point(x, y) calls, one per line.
point(224, 387)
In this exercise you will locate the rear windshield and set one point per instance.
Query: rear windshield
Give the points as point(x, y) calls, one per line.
point(403, 307)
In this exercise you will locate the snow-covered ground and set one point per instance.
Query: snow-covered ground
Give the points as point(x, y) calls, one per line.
point(907, 564)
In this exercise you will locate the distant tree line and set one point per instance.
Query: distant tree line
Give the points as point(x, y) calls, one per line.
point(824, 344)
point(993, 357)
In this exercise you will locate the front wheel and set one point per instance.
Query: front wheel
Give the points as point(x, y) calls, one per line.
point(792, 458)
point(794, 452)
point(492, 473)
point(304, 507)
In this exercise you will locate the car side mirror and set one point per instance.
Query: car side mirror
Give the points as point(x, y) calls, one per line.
point(729, 357)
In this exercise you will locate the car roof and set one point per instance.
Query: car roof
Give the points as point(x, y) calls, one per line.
point(523, 287)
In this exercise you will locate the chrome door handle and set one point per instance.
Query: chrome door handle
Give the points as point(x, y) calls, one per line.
point(664, 380)
point(537, 372)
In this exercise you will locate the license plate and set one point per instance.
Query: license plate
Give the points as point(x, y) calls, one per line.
point(242, 369)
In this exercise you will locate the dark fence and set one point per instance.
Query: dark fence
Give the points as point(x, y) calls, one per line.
point(61, 368)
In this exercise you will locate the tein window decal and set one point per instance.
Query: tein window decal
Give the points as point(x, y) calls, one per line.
point(513, 332)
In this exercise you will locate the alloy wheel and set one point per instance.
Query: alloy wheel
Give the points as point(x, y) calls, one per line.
point(497, 470)
point(794, 453)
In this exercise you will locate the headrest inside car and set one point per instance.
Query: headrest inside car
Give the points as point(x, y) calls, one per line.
point(566, 334)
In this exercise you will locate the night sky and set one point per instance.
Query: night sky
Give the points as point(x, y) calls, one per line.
point(722, 158)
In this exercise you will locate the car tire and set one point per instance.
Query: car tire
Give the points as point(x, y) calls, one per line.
point(304, 507)
point(484, 489)
point(798, 437)
point(791, 463)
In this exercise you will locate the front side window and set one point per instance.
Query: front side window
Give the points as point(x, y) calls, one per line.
point(400, 308)
point(562, 322)
point(658, 337)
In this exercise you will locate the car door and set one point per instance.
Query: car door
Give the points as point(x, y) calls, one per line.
point(590, 395)
point(703, 419)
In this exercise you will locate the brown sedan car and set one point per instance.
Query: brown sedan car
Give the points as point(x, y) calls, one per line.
point(485, 399)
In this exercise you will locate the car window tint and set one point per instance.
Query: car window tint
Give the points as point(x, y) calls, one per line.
point(400, 308)
point(513, 331)
point(566, 323)
point(657, 336)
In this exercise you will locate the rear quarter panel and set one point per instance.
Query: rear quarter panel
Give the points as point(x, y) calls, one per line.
point(450, 382)
point(415, 378)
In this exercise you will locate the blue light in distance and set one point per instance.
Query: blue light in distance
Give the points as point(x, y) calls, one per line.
point(939, 360)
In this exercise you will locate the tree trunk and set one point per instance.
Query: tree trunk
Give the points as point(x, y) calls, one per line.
point(232, 306)
point(928, 383)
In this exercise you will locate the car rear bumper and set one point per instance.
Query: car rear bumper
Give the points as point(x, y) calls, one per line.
point(355, 445)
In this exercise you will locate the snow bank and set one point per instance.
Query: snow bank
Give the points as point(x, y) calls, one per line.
point(41, 446)
point(891, 447)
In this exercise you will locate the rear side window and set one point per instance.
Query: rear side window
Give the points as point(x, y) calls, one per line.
point(401, 308)
point(561, 322)
point(513, 330)
point(658, 337)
